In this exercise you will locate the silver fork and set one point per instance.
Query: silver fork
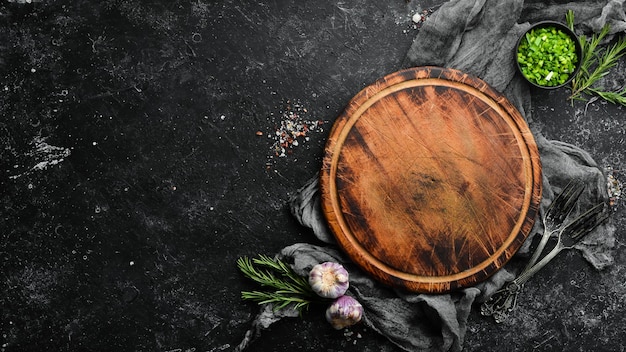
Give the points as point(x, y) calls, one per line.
point(555, 216)
point(503, 301)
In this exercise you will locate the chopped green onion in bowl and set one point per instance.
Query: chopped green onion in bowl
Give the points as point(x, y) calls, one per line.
point(548, 55)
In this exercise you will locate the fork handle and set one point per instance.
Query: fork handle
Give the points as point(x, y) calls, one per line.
point(503, 301)
point(528, 273)
point(540, 247)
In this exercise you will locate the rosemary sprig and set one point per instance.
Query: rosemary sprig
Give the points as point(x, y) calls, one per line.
point(595, 64)
point(281, 299)
point(289, 287)
point(612, 97)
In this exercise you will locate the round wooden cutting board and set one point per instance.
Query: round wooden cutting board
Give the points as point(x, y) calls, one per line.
point(431, 180)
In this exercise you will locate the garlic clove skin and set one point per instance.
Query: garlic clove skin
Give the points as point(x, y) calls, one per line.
point(329, 279)
point(345, 311)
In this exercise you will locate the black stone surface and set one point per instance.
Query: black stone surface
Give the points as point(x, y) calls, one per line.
point(137, 141)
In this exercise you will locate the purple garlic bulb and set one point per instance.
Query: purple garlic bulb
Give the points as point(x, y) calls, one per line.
point(344, 312)
point(329, 280)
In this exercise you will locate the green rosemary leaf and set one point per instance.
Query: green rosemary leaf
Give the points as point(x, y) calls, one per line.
point(267, 261)
point(262, 277)
point(569, 19)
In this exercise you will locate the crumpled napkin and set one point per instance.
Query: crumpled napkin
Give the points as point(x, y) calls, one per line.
point(415, 322)
point(477, 37)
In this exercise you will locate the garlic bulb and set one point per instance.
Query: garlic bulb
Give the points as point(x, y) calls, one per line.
point(344, 312)
point(329, 280)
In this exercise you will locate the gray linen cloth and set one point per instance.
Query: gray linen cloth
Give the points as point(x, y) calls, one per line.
point(477, 37)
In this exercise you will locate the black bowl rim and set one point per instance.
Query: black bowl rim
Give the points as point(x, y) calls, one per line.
point(563, 27)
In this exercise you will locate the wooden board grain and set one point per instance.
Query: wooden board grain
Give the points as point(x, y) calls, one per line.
point(431, 180)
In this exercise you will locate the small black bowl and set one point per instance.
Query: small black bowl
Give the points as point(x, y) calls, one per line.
point(559, 26)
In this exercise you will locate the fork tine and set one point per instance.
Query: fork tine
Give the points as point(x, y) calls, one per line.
point(563, 204)
point(556, 203)
point(573, 199)
point(586, 222)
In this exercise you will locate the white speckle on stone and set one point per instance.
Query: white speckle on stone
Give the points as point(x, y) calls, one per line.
point(45, 155)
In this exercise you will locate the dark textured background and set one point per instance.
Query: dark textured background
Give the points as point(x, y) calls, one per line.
point(138, 163)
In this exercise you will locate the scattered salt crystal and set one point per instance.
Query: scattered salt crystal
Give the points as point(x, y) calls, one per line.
point(417, 18)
